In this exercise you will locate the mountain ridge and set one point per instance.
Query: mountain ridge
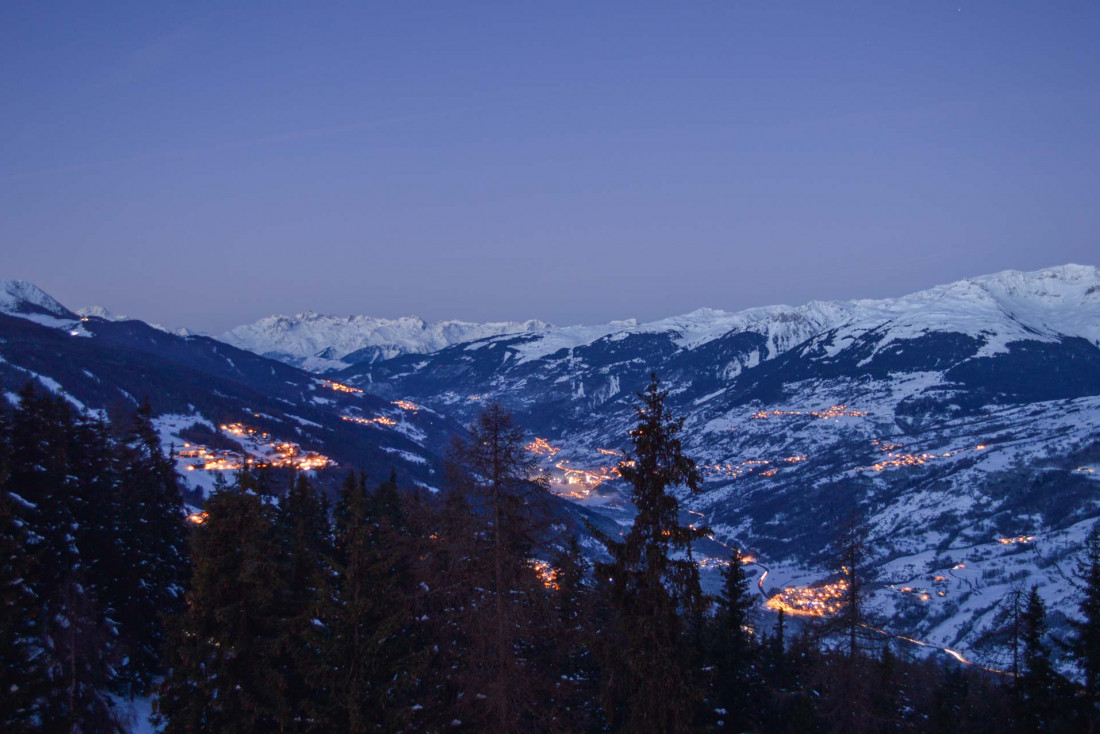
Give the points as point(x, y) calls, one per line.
point(1037, 300)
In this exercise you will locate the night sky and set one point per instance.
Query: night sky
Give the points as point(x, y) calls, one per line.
point(206, 165)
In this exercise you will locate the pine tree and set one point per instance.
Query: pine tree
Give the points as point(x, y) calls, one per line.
point(850, 701)
point(373, 653)
point(853, 620)
point(651, 685)
point(46, 481)
point(23, 681)
point(777, 666)
point(731, 648)
point(303, 527)
point(949, 713)
point(39, 475)
point(224, 672)
point(1085, 642)
point(1037, 677)
point(450, 546)
point(148, 569)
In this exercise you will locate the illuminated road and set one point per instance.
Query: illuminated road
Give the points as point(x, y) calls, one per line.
point(946, 650)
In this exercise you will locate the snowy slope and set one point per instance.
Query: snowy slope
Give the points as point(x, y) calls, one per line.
point(19, 297)
point(1009, 306)
point(1000, 308)
point(951, 419)
point(99, 312)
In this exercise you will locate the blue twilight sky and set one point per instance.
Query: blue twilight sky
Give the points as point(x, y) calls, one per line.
point(208, 164)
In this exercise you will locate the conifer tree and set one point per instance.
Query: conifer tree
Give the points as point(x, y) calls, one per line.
point(149, 568)
point(303, 527)
point(651, 686)
point(570, 640)
point(1037, 676)
point(493, 468)
point(778, 667)
point(851, 623)
point(949, 701)
point(731, 647)
point(373, 649)
point(1085, 642)
point(23, 681)
point(39, 475)
point(70, 639)
point(450, 546)
point(224, 673)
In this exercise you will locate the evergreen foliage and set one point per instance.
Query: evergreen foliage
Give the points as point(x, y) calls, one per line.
point(149, 560)
point(1085, 643)
point(397, 610)
point(93, 554)
point(370, 654)
point(733, 656)
point(225, 672)
point(651, 685)
point(1037, 676)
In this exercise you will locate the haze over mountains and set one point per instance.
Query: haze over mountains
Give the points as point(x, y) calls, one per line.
point(961, 422)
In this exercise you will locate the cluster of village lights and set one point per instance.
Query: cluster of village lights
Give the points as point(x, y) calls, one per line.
point(735, 471)
point(541, 447)
point(810, 601)
point(280, 454)
point(340, 387)
point(546, 572)
point(380, 420)
point(835, 411)
point(895, 459)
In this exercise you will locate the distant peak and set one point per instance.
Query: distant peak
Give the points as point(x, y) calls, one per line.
point(24, 297)
point(101, 313)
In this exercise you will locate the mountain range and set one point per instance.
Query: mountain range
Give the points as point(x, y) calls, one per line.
point(960, 425)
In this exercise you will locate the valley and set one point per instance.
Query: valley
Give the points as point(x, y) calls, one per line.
point(960, 426)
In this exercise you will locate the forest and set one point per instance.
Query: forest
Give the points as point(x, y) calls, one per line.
point(387, 608)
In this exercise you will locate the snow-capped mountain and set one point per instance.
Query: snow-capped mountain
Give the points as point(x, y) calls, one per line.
point(21, 298)
point(961, 422)
point(956, 421)
point(195, 383)
point(319, 342)
point(996, 309)
point(217, 404)
point(100, 312)
point(959, 326)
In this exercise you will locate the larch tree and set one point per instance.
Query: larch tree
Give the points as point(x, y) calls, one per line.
point(492, 467)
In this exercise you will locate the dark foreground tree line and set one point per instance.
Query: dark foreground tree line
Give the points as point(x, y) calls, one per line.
point(475, 609)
